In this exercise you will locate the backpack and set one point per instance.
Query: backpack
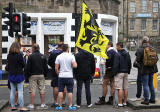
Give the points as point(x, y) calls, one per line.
point(150, 57)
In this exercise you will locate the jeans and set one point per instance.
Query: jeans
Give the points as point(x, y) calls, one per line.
point(147, 80)
point(87, 89)
point(19, 86)
point(139, 86)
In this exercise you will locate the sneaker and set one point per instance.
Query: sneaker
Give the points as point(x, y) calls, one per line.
point(89, 106)
point(124, 104)
point(30, 106)
point(136, 99)
point(54, 105)
point(72, 108)
point(58, 108)
point(78, 106)
point(145, 102)
point(101, 101)
point(120, 105)
point(44, 106)
point(63, 104)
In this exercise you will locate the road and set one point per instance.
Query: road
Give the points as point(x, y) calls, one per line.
point(96, 91)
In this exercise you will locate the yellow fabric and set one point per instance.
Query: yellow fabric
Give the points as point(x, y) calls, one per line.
point(155, 81)
point(90, 36)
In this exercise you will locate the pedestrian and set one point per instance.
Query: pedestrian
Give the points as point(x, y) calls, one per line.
point(64, 64)
point(54, 82)
point(16, 75)
point(147, 57)
point(36, 70)
point(102, 67)
point(25, 60)
point(121, 79)
point(26, 56)
point(111, 70)
point(84, 60)
point(139, 80)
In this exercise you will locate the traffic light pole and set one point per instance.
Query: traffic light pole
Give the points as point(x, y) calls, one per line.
point(75, 11)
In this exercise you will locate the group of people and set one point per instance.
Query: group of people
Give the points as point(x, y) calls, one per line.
point(81, 66)
point(118, 66)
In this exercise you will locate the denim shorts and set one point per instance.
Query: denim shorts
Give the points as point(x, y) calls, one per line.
point(65, 82)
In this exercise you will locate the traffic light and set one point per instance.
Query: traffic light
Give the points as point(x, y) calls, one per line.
point(25, 24)
point(8, 15)
point(16, 23)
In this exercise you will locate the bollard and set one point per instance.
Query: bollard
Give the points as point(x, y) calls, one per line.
point(155, 81)
point(0, 74)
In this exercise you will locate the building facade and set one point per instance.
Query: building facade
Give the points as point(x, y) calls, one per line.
point(53, 21)
point(137, 19)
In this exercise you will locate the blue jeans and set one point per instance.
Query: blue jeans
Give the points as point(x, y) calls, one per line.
point(19, 86)
point(147, 80)
point(87, 89)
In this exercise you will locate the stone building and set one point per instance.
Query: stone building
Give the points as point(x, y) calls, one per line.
point(139, 18)
point(55, 6)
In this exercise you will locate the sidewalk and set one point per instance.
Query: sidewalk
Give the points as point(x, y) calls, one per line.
point(3, 104)
point(137, 105)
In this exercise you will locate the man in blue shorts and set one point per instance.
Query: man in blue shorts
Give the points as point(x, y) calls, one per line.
point(64, 65)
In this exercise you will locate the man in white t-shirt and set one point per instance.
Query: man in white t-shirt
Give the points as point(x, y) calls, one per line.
point(64, 65)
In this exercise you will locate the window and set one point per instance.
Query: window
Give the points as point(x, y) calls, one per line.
point(132, 7)
point(132, 23)
point(155, 25)
point(144, 5)
point(143, 25)
point(155, 6)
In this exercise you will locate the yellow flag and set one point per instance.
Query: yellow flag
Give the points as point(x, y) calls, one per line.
point(90, 36)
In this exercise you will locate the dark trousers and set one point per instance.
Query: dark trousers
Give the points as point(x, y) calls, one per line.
point(87, 89)
point(139, 86)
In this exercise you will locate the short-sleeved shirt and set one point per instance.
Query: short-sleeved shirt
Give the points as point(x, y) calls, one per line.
point(65, 61)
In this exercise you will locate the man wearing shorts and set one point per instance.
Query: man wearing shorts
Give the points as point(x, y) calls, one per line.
point(64, 65)
point(36, 69)
point(121, 79)
point(54, 82)
point(111, 70)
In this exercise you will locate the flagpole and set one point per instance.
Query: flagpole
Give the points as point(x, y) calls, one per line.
point(75, 12)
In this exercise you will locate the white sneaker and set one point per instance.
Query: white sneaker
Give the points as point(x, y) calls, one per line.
point(30, 106)
point(89, 106)
point(78, 106)
point(124, 104)
point(136, 99)
point(120, 105)
point(44, 106)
